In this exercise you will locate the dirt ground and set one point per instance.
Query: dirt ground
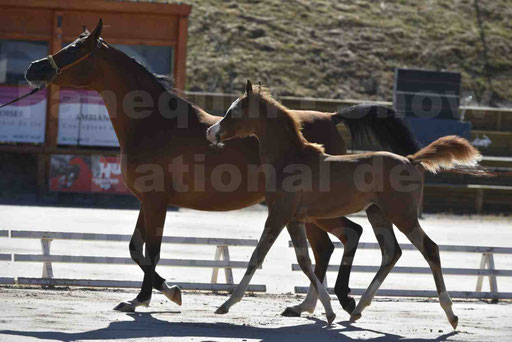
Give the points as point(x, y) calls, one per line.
point(81, 315)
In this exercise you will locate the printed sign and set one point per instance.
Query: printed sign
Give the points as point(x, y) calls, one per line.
point(24, 121)
point(98, 174)
point(84, 120)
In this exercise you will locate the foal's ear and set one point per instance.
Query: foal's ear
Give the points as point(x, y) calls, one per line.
point(248, 88)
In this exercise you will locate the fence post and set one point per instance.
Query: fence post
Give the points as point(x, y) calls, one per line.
point(487, 263)
point(215, 271)
point(222, 253)
point(47, 265)
point(493, 283)
point(227, 271)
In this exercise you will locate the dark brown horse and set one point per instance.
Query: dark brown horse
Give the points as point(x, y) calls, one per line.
point(388, 186)
point(166, 159)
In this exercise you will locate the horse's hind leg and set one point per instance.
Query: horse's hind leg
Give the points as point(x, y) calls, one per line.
point(322, 249)
point(390, 250)
point(136, 253)
point(298, 235)
point(430, 252)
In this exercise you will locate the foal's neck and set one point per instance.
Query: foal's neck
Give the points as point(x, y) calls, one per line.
point(280, 143)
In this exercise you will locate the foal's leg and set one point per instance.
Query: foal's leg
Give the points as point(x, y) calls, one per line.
point(273, 227)
point(149, 229)
point(390, 250)
point(430, 252)
point(137, 255)
point(298, 235)
point(322, 249)
point(348, 232)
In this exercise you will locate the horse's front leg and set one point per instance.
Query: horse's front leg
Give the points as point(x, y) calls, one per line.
point(154, 211)
point(136, 247)
point(273, 227)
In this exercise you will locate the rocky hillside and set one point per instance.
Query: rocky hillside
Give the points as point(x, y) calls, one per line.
point(349, 49)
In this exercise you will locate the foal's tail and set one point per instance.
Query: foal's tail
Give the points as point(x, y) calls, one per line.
point(450, 153)
point(380, 123)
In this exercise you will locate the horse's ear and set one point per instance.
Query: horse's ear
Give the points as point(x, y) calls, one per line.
point(248, 88)
point(85, 30)
point(94, 36)
point(97, 31)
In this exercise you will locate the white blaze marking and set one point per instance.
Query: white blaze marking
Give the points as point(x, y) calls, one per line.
point(212, 132)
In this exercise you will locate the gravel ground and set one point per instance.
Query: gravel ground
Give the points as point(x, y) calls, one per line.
point(81, 314)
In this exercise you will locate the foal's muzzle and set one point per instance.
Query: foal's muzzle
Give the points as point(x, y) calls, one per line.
point(212, 134)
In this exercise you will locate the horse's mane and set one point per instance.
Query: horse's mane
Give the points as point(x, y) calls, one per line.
point(290, 122)
point(166, 81)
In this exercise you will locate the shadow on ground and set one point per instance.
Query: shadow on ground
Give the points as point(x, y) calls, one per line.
point(145, 325)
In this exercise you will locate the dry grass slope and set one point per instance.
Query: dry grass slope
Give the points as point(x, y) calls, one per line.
point(346, 49)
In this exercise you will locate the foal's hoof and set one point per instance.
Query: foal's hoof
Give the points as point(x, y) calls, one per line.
point(454, 322)
point(172, 292)
point(354, 317)
point(222, 310)
point(290, 312)
point(348, 305)
point(125, 307)
point(330, 319)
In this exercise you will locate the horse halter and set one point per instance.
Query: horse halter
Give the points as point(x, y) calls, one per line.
point(59, 71)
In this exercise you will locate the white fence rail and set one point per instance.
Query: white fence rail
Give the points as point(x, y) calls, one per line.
point(487, 269)
point(221, 260)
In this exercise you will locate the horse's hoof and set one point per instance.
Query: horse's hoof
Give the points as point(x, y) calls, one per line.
point(290, 312)
point(172, 292)
point(125, 307)
point(354, 317)
point(222, 310)
point(130, 306)
point(348, 305)
point(330, 319)
point(454, 322)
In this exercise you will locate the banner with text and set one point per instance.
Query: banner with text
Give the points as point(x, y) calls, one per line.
point(24, 121)
point(84, 120)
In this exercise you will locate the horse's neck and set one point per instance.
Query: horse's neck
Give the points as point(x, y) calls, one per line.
point(118, 82)
point(278, 146)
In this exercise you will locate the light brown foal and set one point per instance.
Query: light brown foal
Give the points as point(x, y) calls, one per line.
point(304, 184)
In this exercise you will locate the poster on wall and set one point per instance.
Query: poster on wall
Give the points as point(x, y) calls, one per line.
point(78, 173)
point(24, 121)
point(84, 120)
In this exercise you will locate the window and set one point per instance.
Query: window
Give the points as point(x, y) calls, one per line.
point(16, 56)
point(157, 58)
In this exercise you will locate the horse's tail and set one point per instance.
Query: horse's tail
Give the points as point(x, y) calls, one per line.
point(449, 153)
point(378, 122)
